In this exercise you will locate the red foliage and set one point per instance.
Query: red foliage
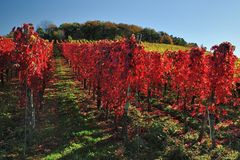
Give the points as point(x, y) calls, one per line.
point(6, 49)
point(33, 56)
point(221, 66)
point(107, 66)
point(192, 76)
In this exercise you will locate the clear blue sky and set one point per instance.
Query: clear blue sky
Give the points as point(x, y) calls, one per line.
point(206, 22)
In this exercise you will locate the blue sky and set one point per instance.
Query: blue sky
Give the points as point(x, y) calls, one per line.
point(206, 22)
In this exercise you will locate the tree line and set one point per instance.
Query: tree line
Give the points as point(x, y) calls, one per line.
point(96, 30)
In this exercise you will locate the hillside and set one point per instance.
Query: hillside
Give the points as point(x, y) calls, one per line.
point(160, 47)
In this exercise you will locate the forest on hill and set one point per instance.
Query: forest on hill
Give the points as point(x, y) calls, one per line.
point(96, 30)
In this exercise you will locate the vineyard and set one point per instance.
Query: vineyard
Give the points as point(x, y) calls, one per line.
point(117, 99)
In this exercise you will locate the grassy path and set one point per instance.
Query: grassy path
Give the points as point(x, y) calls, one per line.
point(67, 130)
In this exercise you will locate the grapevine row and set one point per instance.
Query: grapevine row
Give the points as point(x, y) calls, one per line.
point(31, 57)
point(120, 72)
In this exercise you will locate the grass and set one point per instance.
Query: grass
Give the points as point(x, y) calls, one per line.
point(164, 138)
point(11, 122)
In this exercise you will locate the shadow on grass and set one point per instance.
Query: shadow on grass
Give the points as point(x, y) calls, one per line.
point(11, 122)
point(74, 134)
